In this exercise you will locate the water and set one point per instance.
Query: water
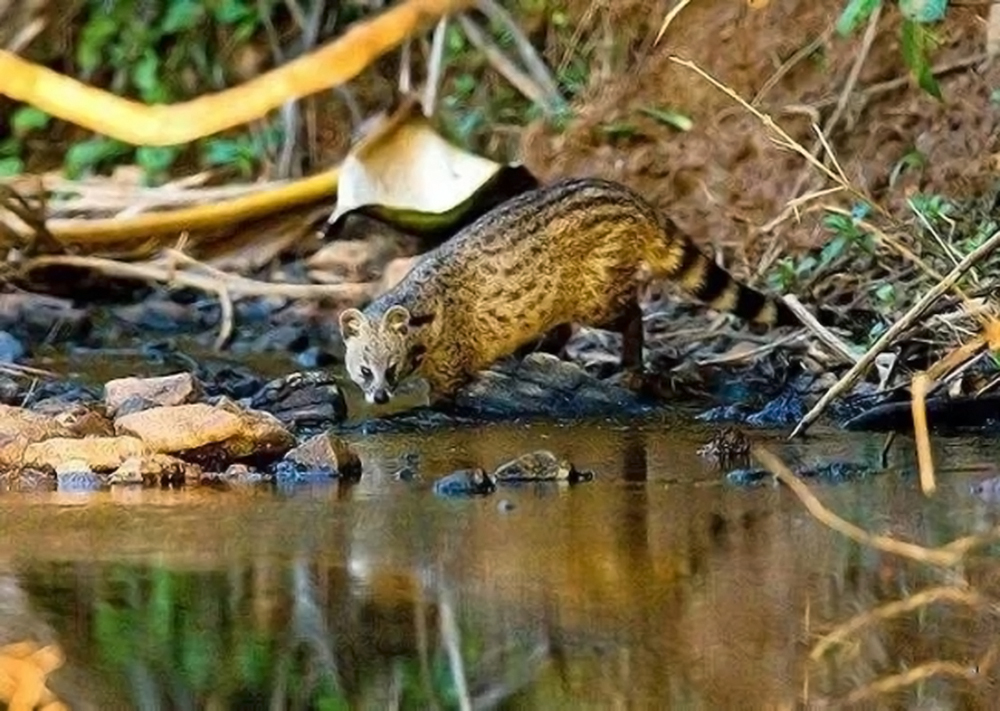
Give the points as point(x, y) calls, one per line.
point(654, 586)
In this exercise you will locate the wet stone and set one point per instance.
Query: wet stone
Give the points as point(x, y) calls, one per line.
point(76, 476)
point(505, 505)
point(154, 469)
point(180, 428)
point(27, 480)
point(99, 453)
point(543, 385)
point(464, 483)
point(86, 421)
point(408, 467)
point(541, 465)
point(166, 390)
point(20, 428)
point(289, 472)
point(728, 447)
point(310, 398)
point(750, 476)
point(327, 452)
point(11, 349)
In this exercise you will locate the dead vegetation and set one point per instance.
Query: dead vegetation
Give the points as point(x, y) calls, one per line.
point(882, 180)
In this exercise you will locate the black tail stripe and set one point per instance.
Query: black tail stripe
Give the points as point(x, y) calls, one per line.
point(715, 283)
point(749, 303)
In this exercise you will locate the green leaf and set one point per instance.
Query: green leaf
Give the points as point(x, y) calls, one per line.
point(182, 15)
point(95, 35)
point(669, 117)
point(11, 166)
point(10, 147)
point(915, 40)
point(856, 12)
point(146, 75)
point(156, 160)
point(88, 155)
point(923, 10)
point(618, 130)
point(229, 12)
point(27, 119)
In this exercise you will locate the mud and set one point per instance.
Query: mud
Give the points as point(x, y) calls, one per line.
point(724, 179)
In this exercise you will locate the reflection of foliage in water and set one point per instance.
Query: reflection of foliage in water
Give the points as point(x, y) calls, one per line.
point(252, 637)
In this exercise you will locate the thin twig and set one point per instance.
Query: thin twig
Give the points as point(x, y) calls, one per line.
point(904, 322)
point(845, 94)
point(533, 62)
point(786, 141)
point(925, 457)
point(922, 673)
point(833, 342)
point(790, 63)
point(904, 81)
point(950, 593)
point(435, 67)
point(502, 63)
point(934, 556)
point(674, 12)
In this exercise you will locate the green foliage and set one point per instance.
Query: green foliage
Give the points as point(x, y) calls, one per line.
point(849, 240)
point(475, 101)
point(916, 39)
point(158, 51)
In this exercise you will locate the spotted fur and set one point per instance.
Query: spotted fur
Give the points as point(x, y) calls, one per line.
point(576, 252)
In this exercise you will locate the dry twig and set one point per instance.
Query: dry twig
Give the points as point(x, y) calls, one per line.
point(904, 322)
point(945, 556)
point(163, 125)
point(949, 593)
point(925, 457)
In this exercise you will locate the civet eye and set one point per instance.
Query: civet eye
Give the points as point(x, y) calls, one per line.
point(366, 372)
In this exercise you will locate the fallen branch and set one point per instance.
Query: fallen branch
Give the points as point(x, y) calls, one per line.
point(950, 593)
point(904, 322)
point(944, 557)
point(161, 125)
point(227, 287)
point(921, 433)
point(113, 230)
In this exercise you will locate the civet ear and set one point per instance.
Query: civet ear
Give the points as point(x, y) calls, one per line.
point(397, 320)
point(351, 323)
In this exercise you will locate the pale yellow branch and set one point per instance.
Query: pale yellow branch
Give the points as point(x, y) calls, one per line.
point(138, 124)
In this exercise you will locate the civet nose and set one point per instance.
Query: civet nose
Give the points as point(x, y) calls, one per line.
point(381, 397)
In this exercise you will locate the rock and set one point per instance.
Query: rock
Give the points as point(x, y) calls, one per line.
point(408, 468)
point(261, 436)
point(209, 434)
point(505, 505)
point(20, 427)
point(311, 398)
point(85, 421)
point(76, 476)
point(541, 465)
point(330, 452)
point(728, 447)
point(155, 469)
point(288, 472)
point(237, 474)
point(176, 389)
point(99, 453)
point(11, 349)
point(544, 385)
point(180, 428)
point(465, 482)
point(27, 480)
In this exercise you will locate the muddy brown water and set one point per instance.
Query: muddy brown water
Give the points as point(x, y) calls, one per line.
point(654, 586)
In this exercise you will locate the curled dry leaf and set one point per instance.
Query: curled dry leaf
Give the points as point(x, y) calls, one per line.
point(407, 175)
